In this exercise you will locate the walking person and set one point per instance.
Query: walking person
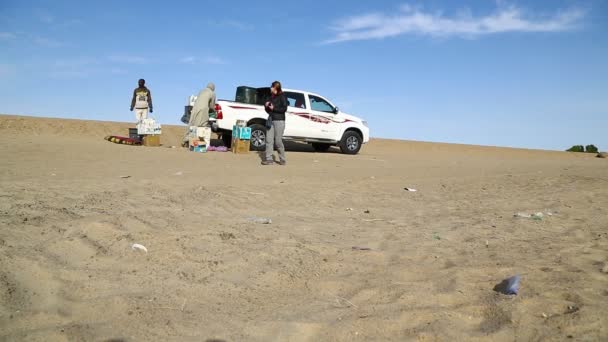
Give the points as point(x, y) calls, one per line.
point(141, 101)
point(276, 107)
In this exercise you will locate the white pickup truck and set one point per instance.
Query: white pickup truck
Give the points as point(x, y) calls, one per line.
point(309, 118)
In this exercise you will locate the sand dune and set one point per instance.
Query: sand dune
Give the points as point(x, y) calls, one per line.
point(68, 220)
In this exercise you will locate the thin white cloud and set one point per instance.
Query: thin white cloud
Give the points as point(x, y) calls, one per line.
point(7, 70)
point(413, 20)
point(47, 42)
point(207, 60)
point(127, 59)
point(188, 60)
point(231, 24)
point(214, 60)
point(7, 36)
point(118, 71)
point(44, 16)
point(69, 74)
point(76, 62)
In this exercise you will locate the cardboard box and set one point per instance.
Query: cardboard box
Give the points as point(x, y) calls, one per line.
point(196, 145)
point(199, 149)
point(151, 140)
point(194, 142)
point(243, 133)
point(240, 146)
point(204, 133)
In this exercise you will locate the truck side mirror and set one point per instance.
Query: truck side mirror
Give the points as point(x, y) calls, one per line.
point(336, 110)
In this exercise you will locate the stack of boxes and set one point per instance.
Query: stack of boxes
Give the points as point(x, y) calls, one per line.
point(200, 139)
point(197, 145)
point(150, 130)
point(241, 136)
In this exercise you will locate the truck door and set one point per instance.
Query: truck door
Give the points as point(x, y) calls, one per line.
point(323, 123)
point(297, 116)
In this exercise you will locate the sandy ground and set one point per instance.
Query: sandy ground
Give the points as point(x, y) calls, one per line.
point(68, 219)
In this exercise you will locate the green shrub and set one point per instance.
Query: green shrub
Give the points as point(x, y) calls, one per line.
point(590, 149)
point(576, 148)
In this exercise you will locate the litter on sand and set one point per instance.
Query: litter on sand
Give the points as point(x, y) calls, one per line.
point(536, 216)
point(410, 189)
point(509, 286)
point(260, 220)
point(137, 246)
point(356, 248)
point(125, 176)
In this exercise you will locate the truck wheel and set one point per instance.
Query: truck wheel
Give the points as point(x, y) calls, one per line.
point(227, 139)
point(258, 137)
point(319, 147)
point(350, 143)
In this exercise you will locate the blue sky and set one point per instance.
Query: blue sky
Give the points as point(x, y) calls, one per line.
point(508, 73)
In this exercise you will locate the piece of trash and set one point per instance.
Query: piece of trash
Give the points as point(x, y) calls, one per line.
point(436, 236)
point(536, 216)
point(544, 315)
point(179, 173)
point(349, 209)
point(137, 246)
point(367, 212)
point(522, 215)
point(260, 220)
point(356, 248)
point(410, 189)
point(487, 243)
point(125, 176)
point(572, 309)
point(509, 286)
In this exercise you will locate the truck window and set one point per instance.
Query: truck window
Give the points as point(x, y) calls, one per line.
point(295, 100)
point(320, 105)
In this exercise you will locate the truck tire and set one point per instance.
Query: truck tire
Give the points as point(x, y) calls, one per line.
point(258, 137)
point(227, 139)
point(320, 147)
point(351, 142)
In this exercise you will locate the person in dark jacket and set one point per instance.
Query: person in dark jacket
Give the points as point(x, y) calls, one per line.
point(141, 101)
point(276, 107)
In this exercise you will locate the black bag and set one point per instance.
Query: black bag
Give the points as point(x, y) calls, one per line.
point(269, 122)
point(187, 112)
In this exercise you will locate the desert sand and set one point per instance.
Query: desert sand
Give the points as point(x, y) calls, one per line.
point(424, 266)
